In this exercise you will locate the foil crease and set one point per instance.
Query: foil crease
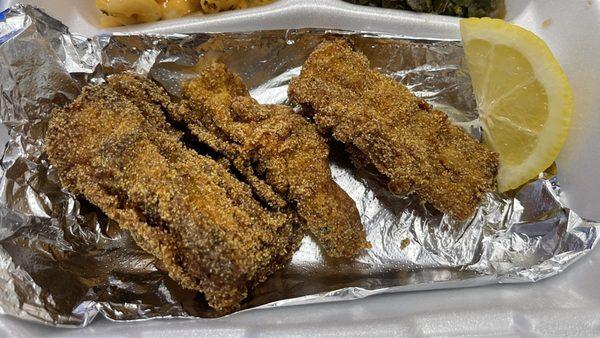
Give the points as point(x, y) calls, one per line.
point(62, 261)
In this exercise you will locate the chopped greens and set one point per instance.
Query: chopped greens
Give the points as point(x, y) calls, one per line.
point(461, 8)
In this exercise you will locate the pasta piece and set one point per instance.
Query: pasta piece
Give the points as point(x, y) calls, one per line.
point(172, 9)
point(139, 11)
point(215, 6)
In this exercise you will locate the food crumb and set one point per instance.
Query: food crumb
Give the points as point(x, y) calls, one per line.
point(405, 242)
point(546, 23)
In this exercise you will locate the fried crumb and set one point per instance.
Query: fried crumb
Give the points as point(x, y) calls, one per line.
point(403, 137)
point(273, 142)
point(113, 147)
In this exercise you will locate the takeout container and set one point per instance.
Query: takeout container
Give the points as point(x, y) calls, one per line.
point(560, 23)
point(83, 17)
point(567, 27)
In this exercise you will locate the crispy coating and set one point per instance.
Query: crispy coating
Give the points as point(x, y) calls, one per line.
point(409, 142)
point(208, 232)
point(272, 142)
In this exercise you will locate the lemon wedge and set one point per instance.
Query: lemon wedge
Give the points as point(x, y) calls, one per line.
point(524, 97)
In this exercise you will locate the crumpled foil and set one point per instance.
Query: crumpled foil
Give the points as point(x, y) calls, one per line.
point(62, 261)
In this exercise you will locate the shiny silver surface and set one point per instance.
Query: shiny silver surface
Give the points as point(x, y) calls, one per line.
point(62, 262)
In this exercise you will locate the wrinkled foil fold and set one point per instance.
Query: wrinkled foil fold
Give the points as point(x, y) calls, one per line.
point(62, 261)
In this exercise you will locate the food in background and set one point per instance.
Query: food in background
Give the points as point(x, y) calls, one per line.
point(523, 95)
point(273, 142)
point(412, 144)
point(128, 12)
point(461, 8)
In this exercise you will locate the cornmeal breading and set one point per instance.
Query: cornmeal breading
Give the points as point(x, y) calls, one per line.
point(415, 146)
point(202, 224)
point(273, 142)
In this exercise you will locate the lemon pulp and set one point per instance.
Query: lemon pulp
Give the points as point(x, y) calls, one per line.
point(524, 97)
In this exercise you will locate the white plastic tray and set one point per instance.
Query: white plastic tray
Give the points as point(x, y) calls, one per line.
point(565, 305)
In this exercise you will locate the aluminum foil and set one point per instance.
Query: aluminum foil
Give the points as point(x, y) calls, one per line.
point(62, 261)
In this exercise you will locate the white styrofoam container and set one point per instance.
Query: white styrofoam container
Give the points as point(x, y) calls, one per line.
point(565, 305)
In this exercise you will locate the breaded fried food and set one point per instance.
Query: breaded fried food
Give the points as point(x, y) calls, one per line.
point(203, 225)
point(281, 147)
point(412, 144)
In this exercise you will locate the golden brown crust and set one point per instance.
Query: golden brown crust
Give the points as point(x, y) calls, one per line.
point(412, 144)
point(186, 209)
point(273, 142)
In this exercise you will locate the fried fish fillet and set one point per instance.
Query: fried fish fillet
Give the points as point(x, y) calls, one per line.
point(113, 147)
point(403, 137)
point(273, 142)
